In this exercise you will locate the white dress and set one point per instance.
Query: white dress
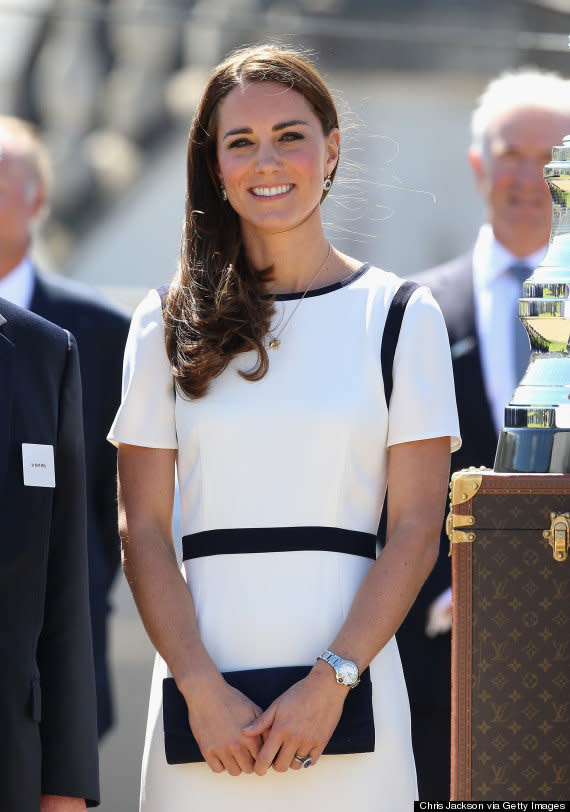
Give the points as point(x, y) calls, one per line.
point(305, 447)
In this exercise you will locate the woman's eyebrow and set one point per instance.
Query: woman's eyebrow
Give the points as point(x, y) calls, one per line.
point(239, 131)
point(281, 126)
point(285, 124)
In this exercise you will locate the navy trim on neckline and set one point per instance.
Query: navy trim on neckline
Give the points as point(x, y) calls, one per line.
point(285, 297)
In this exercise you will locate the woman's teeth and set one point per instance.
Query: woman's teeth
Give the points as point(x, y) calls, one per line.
point(271, 191)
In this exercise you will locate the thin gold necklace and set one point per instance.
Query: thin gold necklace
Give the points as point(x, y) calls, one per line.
point(274, 341)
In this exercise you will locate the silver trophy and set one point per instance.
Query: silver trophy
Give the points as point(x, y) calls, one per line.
point(536, 436)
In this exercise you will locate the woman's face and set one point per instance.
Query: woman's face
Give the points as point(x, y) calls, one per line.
point(272, 156)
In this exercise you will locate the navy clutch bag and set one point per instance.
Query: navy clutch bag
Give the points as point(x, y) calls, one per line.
point(353, 734)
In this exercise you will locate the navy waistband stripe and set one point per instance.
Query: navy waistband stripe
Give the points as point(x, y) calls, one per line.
point(278, 540)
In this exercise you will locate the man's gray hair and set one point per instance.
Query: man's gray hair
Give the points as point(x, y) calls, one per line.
point(527, 87)
point(25, 140)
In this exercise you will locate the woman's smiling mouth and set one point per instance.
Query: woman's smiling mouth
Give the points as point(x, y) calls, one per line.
point(271, 191)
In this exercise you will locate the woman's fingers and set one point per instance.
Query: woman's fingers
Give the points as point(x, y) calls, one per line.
point(305, 757)
point(235, 758)
point(291, 756)
point(253, 746)
point(315, 755)
point(243, 759)
point(299, 723)
point(217, 724)
point(260, 731)
point(230, 764)
point(214, 763)
point(267, 754)
point(286, 756)
point(262, 724)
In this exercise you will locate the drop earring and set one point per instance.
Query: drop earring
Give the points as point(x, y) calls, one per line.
point(223, 193)
point(327, 183)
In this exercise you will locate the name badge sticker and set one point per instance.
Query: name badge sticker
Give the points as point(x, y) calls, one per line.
point(38, 464)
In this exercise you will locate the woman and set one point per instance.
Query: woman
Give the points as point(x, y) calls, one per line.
point(280, 431)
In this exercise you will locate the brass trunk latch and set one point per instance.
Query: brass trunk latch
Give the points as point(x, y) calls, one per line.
point(455, 536)
point(558, 536)
point(463, 487)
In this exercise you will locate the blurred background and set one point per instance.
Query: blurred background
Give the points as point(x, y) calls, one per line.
point(112, 86)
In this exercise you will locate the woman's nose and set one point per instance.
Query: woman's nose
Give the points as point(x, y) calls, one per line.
point(266, 158)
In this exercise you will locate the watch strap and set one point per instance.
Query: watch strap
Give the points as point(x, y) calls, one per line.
point(335, 661)
point(331, 658)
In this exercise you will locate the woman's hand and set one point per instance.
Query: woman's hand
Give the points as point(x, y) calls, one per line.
point(299, 722)
point(217, 717)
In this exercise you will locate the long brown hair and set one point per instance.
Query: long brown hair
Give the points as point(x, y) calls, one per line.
point(216, 306)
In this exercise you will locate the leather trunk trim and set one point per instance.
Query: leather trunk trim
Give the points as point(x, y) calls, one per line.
point(461, 671)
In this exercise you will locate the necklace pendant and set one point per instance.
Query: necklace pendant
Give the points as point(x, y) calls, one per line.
point(274, 344)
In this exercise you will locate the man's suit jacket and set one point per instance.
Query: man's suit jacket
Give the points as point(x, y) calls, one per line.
point(101, 333)
point(427, 661)
point(48, 741)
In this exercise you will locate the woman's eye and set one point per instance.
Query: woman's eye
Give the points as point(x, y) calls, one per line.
point(291, 136)
point(239, 142)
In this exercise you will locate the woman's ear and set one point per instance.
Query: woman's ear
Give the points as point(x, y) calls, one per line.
point(332, 150)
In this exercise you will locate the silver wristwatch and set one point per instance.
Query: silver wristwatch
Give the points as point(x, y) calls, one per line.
point(346, 671)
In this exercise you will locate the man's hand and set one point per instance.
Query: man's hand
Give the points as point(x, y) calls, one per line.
point(439, 615)
point(61, 803)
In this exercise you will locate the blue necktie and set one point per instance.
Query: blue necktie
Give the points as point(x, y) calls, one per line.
point(519, 272)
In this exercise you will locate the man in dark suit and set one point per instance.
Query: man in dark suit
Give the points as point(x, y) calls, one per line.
point(518, 119)
point(100, 331)
point(48, 724)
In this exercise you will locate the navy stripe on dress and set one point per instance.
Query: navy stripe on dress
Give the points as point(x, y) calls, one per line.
point(278, 540)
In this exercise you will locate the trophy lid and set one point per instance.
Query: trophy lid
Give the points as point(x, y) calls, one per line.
point(557, 172)
point(561, 153)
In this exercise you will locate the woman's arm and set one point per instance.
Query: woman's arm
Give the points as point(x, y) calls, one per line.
point(217, 712)
point(303, 719)
point(418, 476)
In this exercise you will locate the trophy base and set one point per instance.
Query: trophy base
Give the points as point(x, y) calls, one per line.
point(533, 450)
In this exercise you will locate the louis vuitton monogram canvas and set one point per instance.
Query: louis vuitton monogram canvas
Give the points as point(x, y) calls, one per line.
point(519, 742)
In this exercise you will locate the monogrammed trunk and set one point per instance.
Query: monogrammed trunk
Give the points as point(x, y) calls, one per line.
point(510, 732)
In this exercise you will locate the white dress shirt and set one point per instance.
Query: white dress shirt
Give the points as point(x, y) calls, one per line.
point(495, 293)
point(18, 284)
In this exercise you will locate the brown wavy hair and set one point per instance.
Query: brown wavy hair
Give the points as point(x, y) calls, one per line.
point(216, 307)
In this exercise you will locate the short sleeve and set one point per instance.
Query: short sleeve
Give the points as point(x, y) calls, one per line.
point(146, 416)
point(423, 404)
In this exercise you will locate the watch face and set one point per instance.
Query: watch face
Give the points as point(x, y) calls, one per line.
point(347, 673)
